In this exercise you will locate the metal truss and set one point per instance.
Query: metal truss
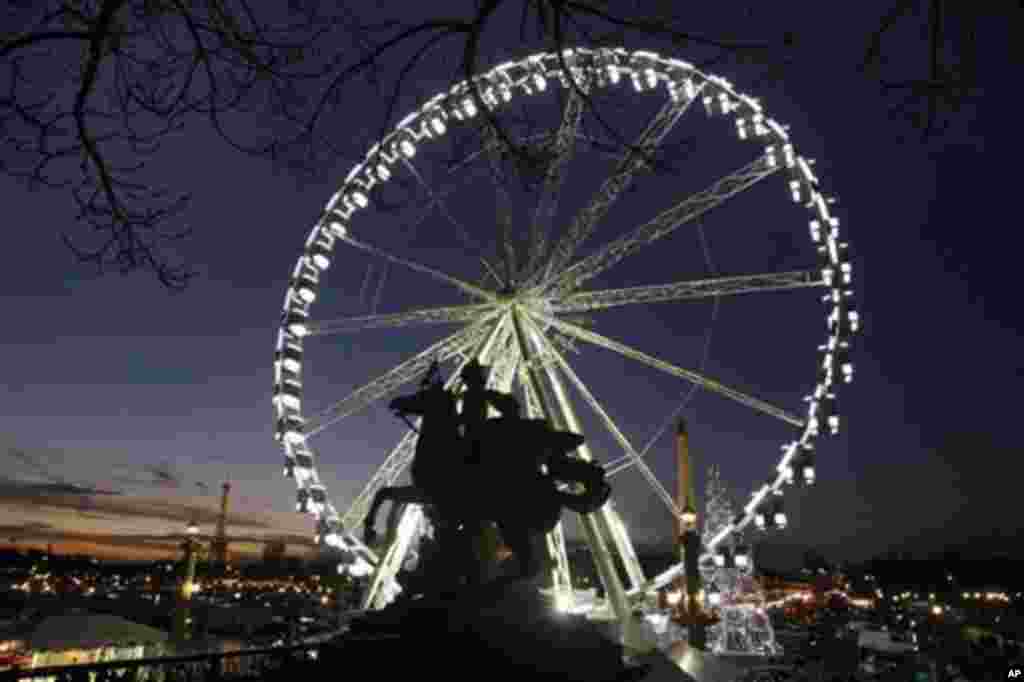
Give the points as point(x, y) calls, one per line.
point(402, 374)
point(383, 586)
point(680, 291)
point(437, 199)
point(564, 146)
point(385, 476)
point(596, 526)
point(689, 375)
point(638, 157)
point(425, 269)
point(530, 397)
point(680, 214)
point(445, 315)
point(503, 205)
point(505, 364)
point(617, 434)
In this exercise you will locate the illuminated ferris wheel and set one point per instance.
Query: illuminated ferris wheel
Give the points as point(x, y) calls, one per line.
point(522, 312)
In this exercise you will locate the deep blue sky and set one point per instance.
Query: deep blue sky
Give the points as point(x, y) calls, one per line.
point(114, 372)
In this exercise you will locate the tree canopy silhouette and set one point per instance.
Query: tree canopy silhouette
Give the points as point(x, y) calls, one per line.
point(91, 89)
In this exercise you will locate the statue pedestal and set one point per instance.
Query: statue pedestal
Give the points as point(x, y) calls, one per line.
point(482, 631)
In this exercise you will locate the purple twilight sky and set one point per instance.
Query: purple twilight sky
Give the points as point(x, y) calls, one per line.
point(113, 383)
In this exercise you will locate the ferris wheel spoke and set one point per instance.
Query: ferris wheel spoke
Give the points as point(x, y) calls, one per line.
point(689, 375)
point(438, 199)
point(433, 272)
point(685, 211)
point(688, 290)
point(448, 347)
point(503, 203)
point(564, 146)
point(386, 475)
point(616, 433)
point(637, 158)
point(444, 315)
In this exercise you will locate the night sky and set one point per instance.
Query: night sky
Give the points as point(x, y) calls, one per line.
point(114, 383)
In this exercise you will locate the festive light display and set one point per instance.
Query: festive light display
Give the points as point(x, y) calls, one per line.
point(743, 627)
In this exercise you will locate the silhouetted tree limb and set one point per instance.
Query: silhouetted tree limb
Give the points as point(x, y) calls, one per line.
point(929, 101)
point(91, 89)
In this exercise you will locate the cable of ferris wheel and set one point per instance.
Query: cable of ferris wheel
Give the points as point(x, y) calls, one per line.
point(709, 264)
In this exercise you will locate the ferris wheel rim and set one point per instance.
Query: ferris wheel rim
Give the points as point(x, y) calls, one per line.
point(354, 194)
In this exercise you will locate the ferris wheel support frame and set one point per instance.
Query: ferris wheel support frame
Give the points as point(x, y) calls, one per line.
point(559, 411)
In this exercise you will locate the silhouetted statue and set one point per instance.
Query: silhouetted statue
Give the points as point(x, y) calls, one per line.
point(505, 484)
point(475, 400)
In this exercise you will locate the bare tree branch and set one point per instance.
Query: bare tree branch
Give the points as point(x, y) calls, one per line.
point(89, 91)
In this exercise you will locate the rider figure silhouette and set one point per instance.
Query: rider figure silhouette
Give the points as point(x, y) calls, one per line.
point(475, 401)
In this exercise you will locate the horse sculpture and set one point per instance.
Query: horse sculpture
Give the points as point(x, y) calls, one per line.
point(508, 486)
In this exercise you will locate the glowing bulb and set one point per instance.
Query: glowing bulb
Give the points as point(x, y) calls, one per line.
point(291, 363)
point(847, 372)
point(794, 187)
point(337, 228)
point(815, 231)
point(359, 199)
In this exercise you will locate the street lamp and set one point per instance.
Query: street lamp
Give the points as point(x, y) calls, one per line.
point(191, 547)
